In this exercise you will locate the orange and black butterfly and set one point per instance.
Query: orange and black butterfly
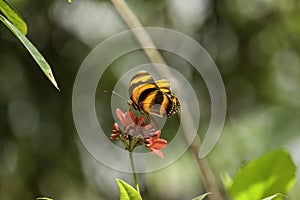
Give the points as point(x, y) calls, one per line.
point(152, 97)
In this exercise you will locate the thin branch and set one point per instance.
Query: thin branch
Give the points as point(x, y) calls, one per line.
point(208, 179)
point(142, 36)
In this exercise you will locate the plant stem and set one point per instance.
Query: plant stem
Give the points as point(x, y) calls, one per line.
point(208, 178)
point(141, 35)
point(133, 172)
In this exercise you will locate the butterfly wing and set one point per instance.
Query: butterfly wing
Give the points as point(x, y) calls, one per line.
point(171, 103)
point(164, 86)
point(151, 96)
point(155, 103)
point(140, 85)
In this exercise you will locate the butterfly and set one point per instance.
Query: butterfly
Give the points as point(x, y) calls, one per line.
point(152, 97)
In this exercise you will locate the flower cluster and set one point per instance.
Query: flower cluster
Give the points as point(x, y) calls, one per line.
point(135, 132)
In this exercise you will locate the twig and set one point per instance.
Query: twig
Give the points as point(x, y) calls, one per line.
point(208, 179)
point(142, 36)
point(205, 171)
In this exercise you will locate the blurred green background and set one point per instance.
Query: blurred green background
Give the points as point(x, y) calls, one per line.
point(255, 44)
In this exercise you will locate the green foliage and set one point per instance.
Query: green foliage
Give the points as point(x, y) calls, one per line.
point(278, 195)
point(43, 198)
point(270, 174)
point(201, 196)
point(127, 192)
point(12, 15)
point(32, 50)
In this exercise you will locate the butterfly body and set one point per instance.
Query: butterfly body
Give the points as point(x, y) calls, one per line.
point(149, 96)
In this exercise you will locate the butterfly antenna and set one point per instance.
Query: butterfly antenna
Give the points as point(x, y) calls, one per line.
point(119, 95)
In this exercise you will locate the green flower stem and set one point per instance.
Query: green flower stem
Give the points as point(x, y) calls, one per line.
point(127, 146)
point(133, 172)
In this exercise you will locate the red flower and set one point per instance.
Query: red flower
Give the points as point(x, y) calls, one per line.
point(155, 143)
point(126, 118)
point(135, 132)
point(133, 126)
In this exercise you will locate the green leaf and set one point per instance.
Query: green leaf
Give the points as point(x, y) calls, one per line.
point(127, 192)
point(32, 50)
point(201, 196)
point(226, 180)
point(43, 198)
point(12, 15)
point(269, 174)
point(275, 196)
